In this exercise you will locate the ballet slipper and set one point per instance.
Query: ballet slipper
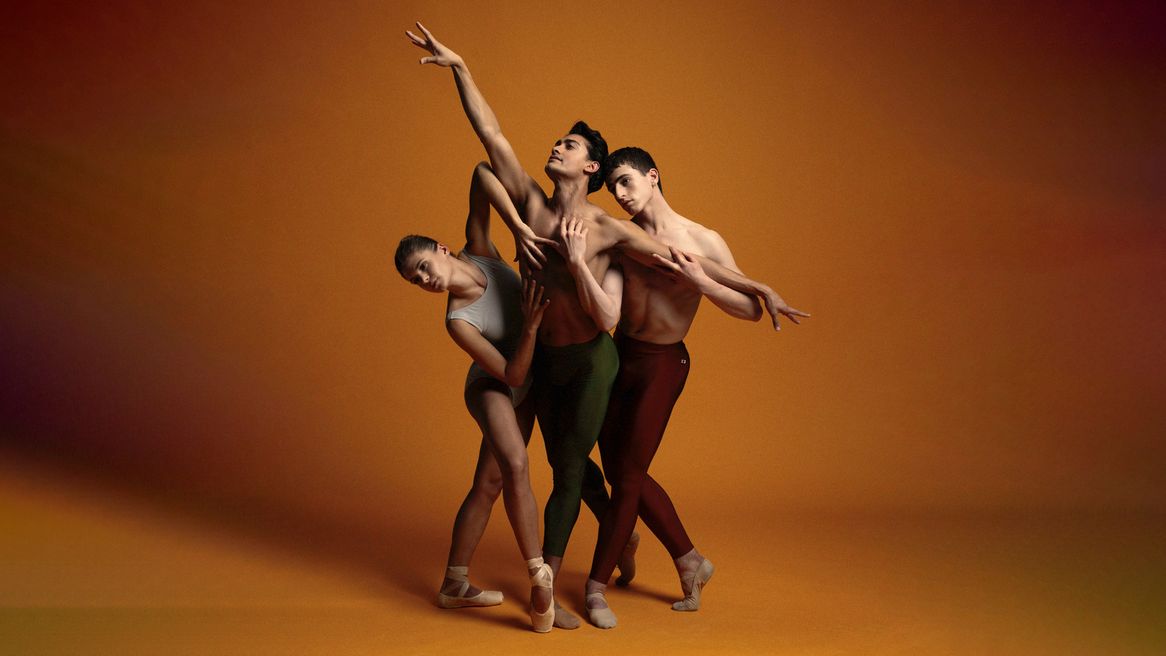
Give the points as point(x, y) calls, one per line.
point(459, 600)
point(565, 620)
point(603, 618)
point(543, 577)
point(691, 585)
point(627, 561)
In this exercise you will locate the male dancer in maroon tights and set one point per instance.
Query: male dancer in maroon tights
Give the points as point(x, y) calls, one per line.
point(655, 315)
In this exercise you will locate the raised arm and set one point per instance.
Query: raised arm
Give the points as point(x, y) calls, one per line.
point(519, 186)
point(513, 371)
point(487, 191)
point(600, 301)
point(478, 240)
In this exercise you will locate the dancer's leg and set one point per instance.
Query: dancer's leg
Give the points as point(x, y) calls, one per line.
point(650, 381)
point(574, 387)
point(468, 526)
point(489, 402)
point(571, 413)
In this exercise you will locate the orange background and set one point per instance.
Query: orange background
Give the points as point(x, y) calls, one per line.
point(200, 203)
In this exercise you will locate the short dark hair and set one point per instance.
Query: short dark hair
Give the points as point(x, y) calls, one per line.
point(637, 158)
point(596, 152)
point(409, 245)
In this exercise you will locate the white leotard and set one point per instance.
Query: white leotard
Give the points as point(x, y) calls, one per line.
point(497, 314)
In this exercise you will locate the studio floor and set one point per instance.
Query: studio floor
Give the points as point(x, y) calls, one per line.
point(88, 571)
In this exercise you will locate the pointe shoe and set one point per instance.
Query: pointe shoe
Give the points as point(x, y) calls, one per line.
point(459, 600)
point(627, 561)
point(544, 577)
point(603, 618)
point(696, 580)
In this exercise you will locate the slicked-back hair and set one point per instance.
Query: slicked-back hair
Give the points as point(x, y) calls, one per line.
point(596, 152)
point(637, 158)
point(409, 245)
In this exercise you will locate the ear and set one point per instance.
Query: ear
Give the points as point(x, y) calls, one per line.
point(653, 177)
point(443, 249)
point(591, 167)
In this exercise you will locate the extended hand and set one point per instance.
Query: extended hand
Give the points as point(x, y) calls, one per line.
point(529, 247)
point(683, 267)
point(440, 55)
point(573, 236)
point(533, 302)
point(776, 306)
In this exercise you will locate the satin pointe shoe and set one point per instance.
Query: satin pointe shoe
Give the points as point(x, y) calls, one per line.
point(543, 577)
point(459, 600)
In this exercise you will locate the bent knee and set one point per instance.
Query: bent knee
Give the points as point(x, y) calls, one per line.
point(488, 487)
point(515, 468)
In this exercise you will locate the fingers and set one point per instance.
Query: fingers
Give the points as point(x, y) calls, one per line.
point(415, 39)
point(543, 241)
point(427, 33)
point(665, 263)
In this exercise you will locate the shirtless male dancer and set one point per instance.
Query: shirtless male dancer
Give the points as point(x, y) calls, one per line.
point(575, 361)
point(657, 310)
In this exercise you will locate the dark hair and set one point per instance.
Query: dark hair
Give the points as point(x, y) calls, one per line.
point(637, 158)
point(596, 152)
point(410, 245)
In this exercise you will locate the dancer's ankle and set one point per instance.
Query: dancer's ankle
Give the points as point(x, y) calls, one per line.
point(689, 561)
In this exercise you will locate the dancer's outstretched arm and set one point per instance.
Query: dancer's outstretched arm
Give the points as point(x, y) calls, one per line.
point(521, 188)
point(601, 301)
point(634, 242)
point(732, 302)
point(513, 371)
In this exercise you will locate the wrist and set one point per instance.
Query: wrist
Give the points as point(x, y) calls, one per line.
point(704, 284)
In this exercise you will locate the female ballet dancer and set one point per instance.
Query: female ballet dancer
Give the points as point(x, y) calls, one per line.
point(494, 317)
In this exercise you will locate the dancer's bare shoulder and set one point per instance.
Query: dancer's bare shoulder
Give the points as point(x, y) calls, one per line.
point(709, 243)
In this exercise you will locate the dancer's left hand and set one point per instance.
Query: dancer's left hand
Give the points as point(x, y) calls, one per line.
point(683, 267)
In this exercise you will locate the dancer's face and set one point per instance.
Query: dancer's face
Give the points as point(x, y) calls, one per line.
point(429, 269)
point(632, 189)
point(569, 158)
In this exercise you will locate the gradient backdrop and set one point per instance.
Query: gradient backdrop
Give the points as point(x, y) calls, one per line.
point(198, 206)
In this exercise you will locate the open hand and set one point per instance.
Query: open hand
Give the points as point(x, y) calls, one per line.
point(439, 54)
point(573, 235)
point(683, 267)
point(776, 306)
point(534, 304)
point(528, 246)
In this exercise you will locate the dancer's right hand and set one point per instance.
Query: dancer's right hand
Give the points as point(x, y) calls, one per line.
point(440, 55)
point(529, 247)
point(573, 235)
point(534, 304)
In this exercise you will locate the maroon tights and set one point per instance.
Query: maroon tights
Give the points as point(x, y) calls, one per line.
point(650, 379)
